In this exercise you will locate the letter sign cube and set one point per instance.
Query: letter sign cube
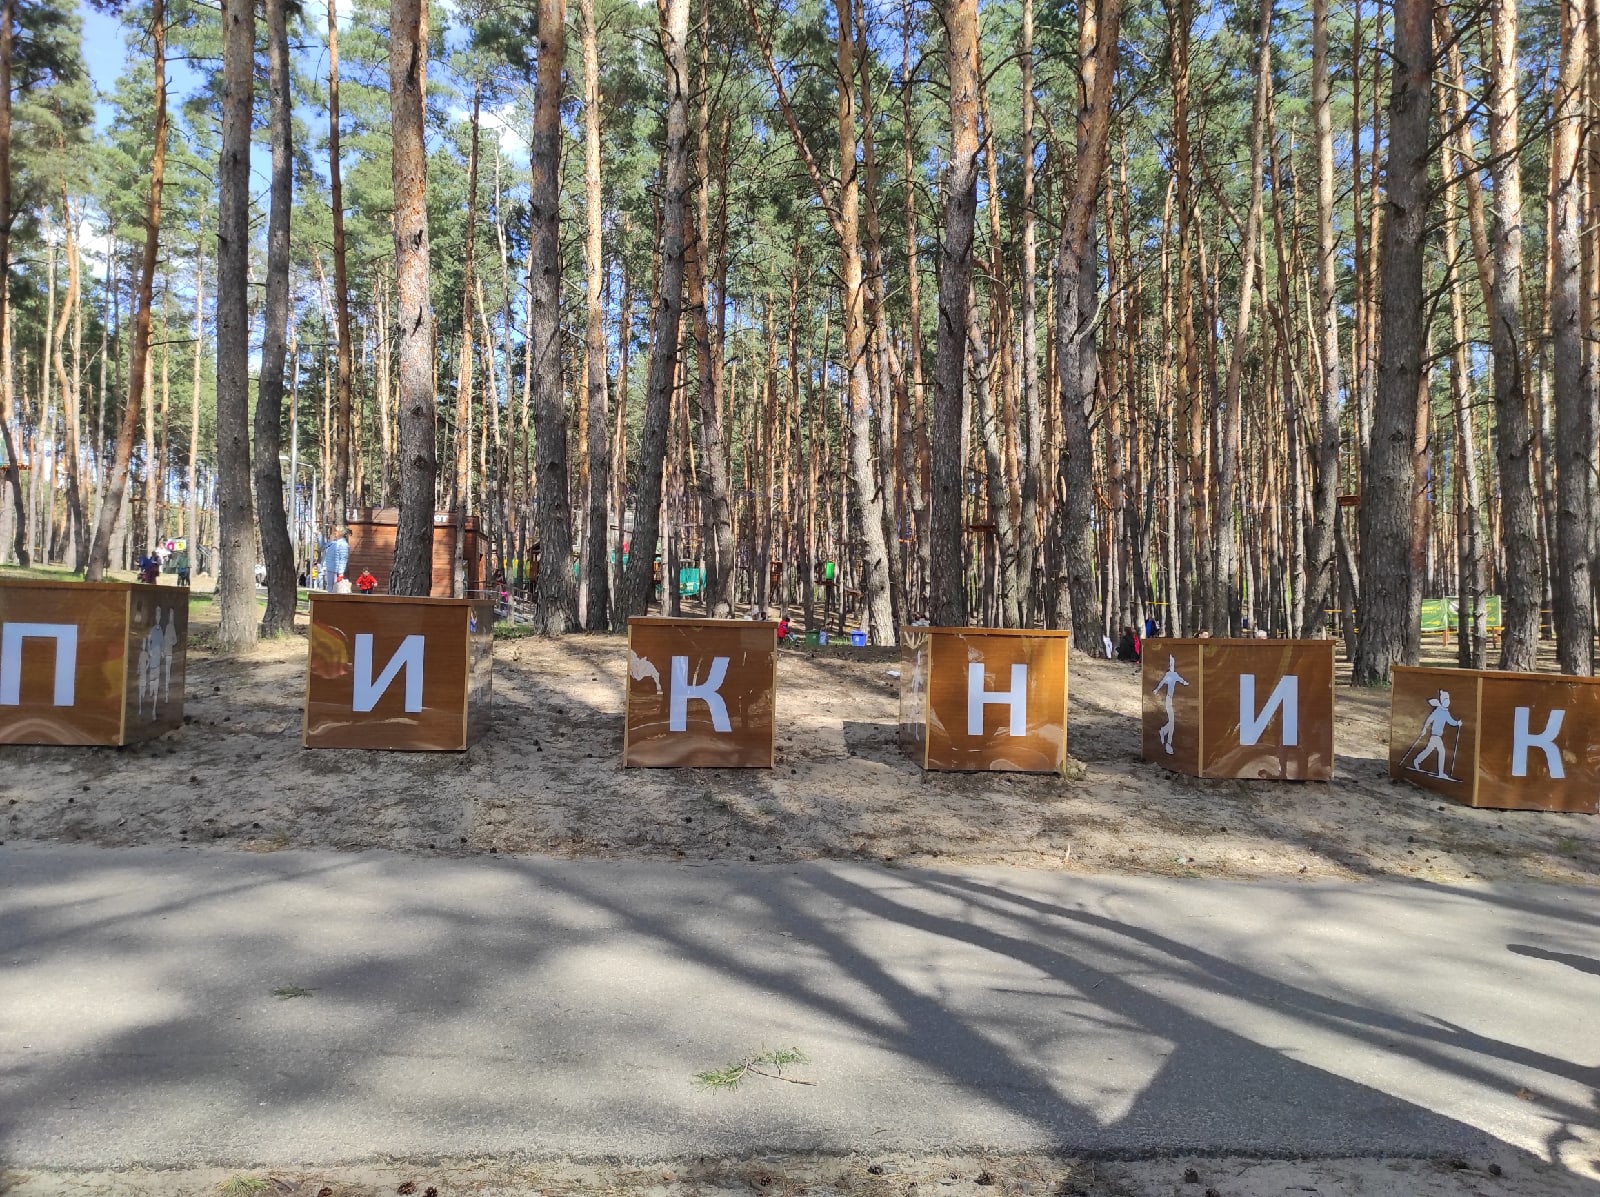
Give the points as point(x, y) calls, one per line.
point(1511, 741)
point(1239, 708)
point(91, 662)
point(405, 674)
point(701, 693)
point(977, 700)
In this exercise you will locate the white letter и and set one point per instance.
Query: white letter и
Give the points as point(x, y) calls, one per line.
point(408, 657)
point(1286, 694)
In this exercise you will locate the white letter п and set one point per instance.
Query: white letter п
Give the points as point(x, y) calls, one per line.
point(1521, 741)
point(408, 657)
point(11, 637)
point(1016, 698)
point(1286, 694)
point(706, 692)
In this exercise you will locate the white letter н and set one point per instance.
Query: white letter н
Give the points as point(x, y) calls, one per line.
point(1016, 698)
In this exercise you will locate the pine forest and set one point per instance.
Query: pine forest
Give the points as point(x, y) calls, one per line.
point(1218, 318)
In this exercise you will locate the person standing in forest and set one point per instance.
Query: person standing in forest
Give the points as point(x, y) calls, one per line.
point(335, 557)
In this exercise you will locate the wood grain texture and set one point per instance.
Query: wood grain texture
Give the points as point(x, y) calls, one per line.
point(456, 664)
point(748, 691)
point(128, 681)
point(937, 693)
point(1480, 763)
point(1211, 710)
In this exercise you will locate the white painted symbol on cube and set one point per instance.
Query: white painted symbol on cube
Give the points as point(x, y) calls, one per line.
point(66, 683)
point(1170, 681)
point(642, 669)
point(1434, 727)
point(1522, 740)
point(408, 657)
point(154, 674)
point(1016, 698)
point(1285, 696)
point(706, 692)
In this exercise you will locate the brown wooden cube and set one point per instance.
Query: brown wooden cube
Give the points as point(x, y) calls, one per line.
point(91, 662)
point(1510, 741)
point(984, 699)
point(403, 674)
point(701, 693)
point(1239, 708)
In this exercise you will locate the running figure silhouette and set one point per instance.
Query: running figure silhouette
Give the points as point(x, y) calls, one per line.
point(1170, 681)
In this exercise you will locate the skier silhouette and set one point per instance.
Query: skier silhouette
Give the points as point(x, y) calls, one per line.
point(1170, 681)
point(1433, 727)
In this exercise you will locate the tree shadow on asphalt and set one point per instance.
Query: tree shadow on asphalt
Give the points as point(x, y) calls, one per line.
point(507, 967)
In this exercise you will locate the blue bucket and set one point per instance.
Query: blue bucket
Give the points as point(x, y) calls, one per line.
point(859, 639)
point(822, 637)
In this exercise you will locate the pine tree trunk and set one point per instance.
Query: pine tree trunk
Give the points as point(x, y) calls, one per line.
point(152, 464)
point(276, 549)
point(1225, 594)
point(1032, 402)
point(668, 311)
point(1186, 369)
point(864, 481)
point(947, 519)
point(461, 479)
point(117, 480)
point(1574, 397)
point(13, 516)
point(12, 473)
point(339, 483)
point(983, 372)
point(1077, 297)
point(596, 571)
point(1470, 593)
point(556, 608)
point(1390, 603)
point(70, 399)
point(716, 516)
point(1321, 574)
point(236, 528)
point(419, 462)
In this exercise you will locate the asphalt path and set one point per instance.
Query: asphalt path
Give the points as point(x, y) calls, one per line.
point(182, 1007)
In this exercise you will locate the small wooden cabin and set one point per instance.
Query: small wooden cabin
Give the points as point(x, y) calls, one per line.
point(372, 538)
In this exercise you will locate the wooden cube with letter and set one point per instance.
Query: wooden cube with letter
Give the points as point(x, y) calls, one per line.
point(1239, 708)
point(982, 699)
point(1510, 741)
point(405, 674)
point(701, 693)
point(91, 662)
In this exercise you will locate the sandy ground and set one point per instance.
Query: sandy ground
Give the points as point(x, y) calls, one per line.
point(548, 779)
point(853, 1176)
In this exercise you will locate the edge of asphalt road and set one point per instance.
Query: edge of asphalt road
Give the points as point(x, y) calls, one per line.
point(1507, 1174)
point(525, 1009)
